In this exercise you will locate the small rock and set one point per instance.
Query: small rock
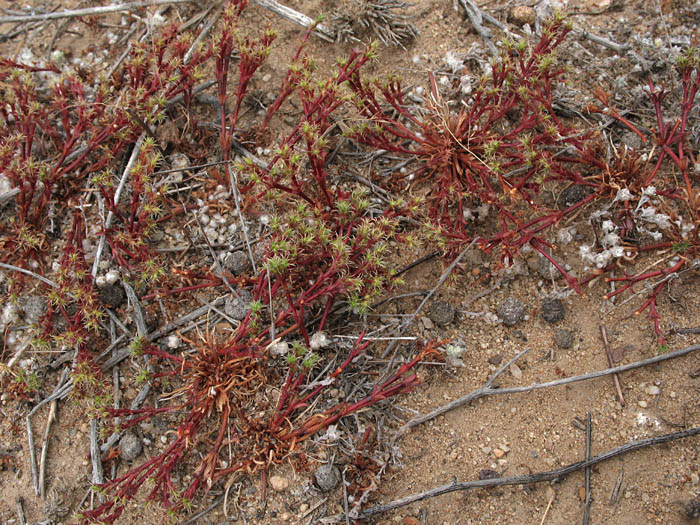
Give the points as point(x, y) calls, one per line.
point(112, 295)
point(278, 483)
point(498, 453)
point(238, 307)
point(653, 390)
point(327, 477)
point(515, 370)
point(643, 404)
point(495, 360)
point(111, 277)
point(692, 509)
point(441, 313)
point(236, 262)
point(427, 323)
point(511, 311)
point(572, 195)
point(486, 450)
point(130, 446)
point(694, 478)
point(34, 307)
point(522, 14)
point(552, 310)
point(486, 473)
point(563, 338)
point(172, 342)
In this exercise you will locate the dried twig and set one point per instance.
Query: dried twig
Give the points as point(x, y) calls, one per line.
point(32, 457)
point(587, 509)
point(538, 477)
point(117, 195)
point(20, 510)
point(604, 336)
point(45, 448)
point(90, 11)
point(487, 390)
point(321, 31)
point(97, 472)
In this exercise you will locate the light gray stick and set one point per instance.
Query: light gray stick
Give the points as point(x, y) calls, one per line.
point(321, 31)
point(90, 11)
point(117, 195)
point(487, 390)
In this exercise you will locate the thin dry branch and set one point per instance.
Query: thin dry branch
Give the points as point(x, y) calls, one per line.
point(487, 390)
point(89, 11)
point(538, 477)
point(321, 31)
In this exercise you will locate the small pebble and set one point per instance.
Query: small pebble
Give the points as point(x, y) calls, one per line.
point(112, 295)
point(692, 509)
point(643, 404)
point(522, 14)
point(552, 310)
point(653, 390)
point(327, 477)
point(278, 483)
point(238, 307)
point(236, 262)
point(515, 370)
point(511, 311)
point(130, 446)
point(563, 338)
point(441, 313)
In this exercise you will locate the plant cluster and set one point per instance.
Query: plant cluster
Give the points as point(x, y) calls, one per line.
point(244, 402)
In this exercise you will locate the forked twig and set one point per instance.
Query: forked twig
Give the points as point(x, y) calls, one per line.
point(538, 477)
point(487, 390)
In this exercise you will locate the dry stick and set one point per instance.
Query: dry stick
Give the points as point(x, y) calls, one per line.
point(19, 501)
point(90, 11)
point(487, 390)
point(587, 510)
point(30, 273)
point(205, 511)
point(44, 449)
point(604, 335)
point(32, 457)
point(117, 195)
point(204, 32)
point(321, 31)
point(538, 477)
point(408, 321)
point(97, 472)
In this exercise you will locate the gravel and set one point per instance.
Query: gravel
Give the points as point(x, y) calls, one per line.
point(327, 477)
point(563, 338)
point(130, 446)
point(511, 311)
point(552, 310)
point(441, 313)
